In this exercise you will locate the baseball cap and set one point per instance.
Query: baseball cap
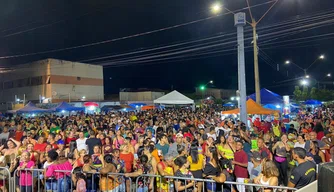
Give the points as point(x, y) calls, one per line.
point(179, 135)
point(256, 155)
point(60, 142)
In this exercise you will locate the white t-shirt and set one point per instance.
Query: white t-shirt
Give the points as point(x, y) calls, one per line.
point(81, 144)
point(214, 136)
point(299, 145)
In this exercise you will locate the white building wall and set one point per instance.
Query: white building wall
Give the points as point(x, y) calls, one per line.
point(76, 92)
point(75, 69)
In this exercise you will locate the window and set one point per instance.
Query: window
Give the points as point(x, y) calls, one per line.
point(36, 81)
point(78, 78)
point(8, 85)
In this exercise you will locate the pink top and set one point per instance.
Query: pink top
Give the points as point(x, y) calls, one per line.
point(118, 142)
point(25, 176)
point(81, 185)
point(51, 170)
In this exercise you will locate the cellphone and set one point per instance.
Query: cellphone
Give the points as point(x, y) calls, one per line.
point(135, 156)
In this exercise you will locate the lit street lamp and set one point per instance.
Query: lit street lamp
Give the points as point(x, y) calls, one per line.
point(321, 57)
point(328, 75)
point(216, 8)
point(304, 82)
point(307, 76)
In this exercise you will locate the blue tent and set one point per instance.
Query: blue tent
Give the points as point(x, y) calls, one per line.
point(31, 108)
point(63, 106)
point(229, 104)
point(312, 102)
point(137, 105)
point(273, 107)
point(267, 97)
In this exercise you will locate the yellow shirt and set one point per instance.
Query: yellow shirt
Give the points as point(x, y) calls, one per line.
point(196, 166)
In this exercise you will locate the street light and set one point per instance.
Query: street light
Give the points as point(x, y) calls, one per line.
point(211, 82)
point(216, 8)
point(328, 75)
point(304, 82)
point(322, 57)
point(307, 76)
point(287, 62)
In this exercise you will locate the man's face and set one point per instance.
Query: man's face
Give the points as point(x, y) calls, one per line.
point(179, 139)
point(239, 146)
point(313, 136)
point(260, 143)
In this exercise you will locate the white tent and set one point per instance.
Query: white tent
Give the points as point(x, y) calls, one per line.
point(174, 98)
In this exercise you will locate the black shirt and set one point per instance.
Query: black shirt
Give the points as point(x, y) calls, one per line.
point(303, 174)
point(91, 142)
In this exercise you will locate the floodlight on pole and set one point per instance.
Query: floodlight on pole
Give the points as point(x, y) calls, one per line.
point(216, 8)
point(322, 57)
point(287, 62)
point(328, 75)
point(304, 82)
point(211, 82)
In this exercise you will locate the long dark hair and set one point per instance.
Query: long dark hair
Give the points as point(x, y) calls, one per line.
point(318, 128)
point(194, 153)
point(214, 152)
point(316, 147)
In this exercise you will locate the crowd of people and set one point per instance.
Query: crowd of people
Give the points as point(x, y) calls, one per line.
point(113, 152)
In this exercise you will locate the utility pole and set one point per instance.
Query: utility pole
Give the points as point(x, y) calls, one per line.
point(240, 22)
point(256, 63)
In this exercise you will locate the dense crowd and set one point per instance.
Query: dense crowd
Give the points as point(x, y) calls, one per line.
point(109, 152)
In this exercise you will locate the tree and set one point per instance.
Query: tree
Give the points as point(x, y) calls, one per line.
point(297, 93)
point(305, 95)
point(313, 93)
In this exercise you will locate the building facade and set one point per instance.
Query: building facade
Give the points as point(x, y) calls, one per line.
point(216, 93)
point(141, 96)
point(52, 80)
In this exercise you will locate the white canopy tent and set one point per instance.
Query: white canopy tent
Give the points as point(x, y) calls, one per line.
point(174, 98)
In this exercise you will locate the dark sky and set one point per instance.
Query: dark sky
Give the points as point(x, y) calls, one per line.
point(42, 25)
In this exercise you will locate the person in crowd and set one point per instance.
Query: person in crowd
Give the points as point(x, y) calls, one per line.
point(91, 142)
point(229, 148)
point(118, 140)
point(25, 176)
point(110, 182)
point(128, 159)
point(81, 141)
point(263, 150)
point(183, 171)
point(304, 173)
point(12, 147)
point(280, 150)
point(213, 170)
point(60, 164)
point(107, 147)
point(165, 168)
point(80, 182)
point(90, 171)
point(163, 144)
point(268, 176)
point(240, 163)
point(256, 169)
point(178, 141)
point(79, 162)
point(315, 154)
point(197, 163)
point(144, 166)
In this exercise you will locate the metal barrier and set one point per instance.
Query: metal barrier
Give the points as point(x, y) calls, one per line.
point(5, 179)
point(29, 180)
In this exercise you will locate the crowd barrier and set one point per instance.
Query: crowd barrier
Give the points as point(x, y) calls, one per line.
point(29, 180)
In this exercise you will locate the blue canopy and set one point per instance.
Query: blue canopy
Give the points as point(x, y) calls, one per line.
point(273, 107)
point(137, 105)
point(63, 106)
point(31, 108)
point(229, 104)
point(267, 97)
point(312, 102)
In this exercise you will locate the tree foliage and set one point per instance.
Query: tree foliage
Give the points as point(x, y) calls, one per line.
point(314, 93)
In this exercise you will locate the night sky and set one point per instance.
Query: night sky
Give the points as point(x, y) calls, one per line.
point(41, 25)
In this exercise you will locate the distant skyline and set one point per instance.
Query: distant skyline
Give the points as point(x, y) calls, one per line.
point(295, 30)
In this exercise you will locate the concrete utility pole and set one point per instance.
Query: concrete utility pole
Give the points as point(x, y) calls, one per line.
point(240, 22)
point(256, 63)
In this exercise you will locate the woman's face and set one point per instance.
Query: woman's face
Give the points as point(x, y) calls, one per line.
point(186, 165)
point(107, 141)
point(10, 144)
point(230, 139)
point(284, 138)
point(82, 153)
point(222, 139)
point(48, 148)
point(300, 139)
point(30, 147)
point(312, 145)
point(96, 149)
point(25, 157)
point(118, 133)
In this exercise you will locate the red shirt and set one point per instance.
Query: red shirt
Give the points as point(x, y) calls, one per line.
point(40, 147)
point(128, 161)
point(68, 140)
point(18, 135)
point(240, 157)
point(320, 135)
